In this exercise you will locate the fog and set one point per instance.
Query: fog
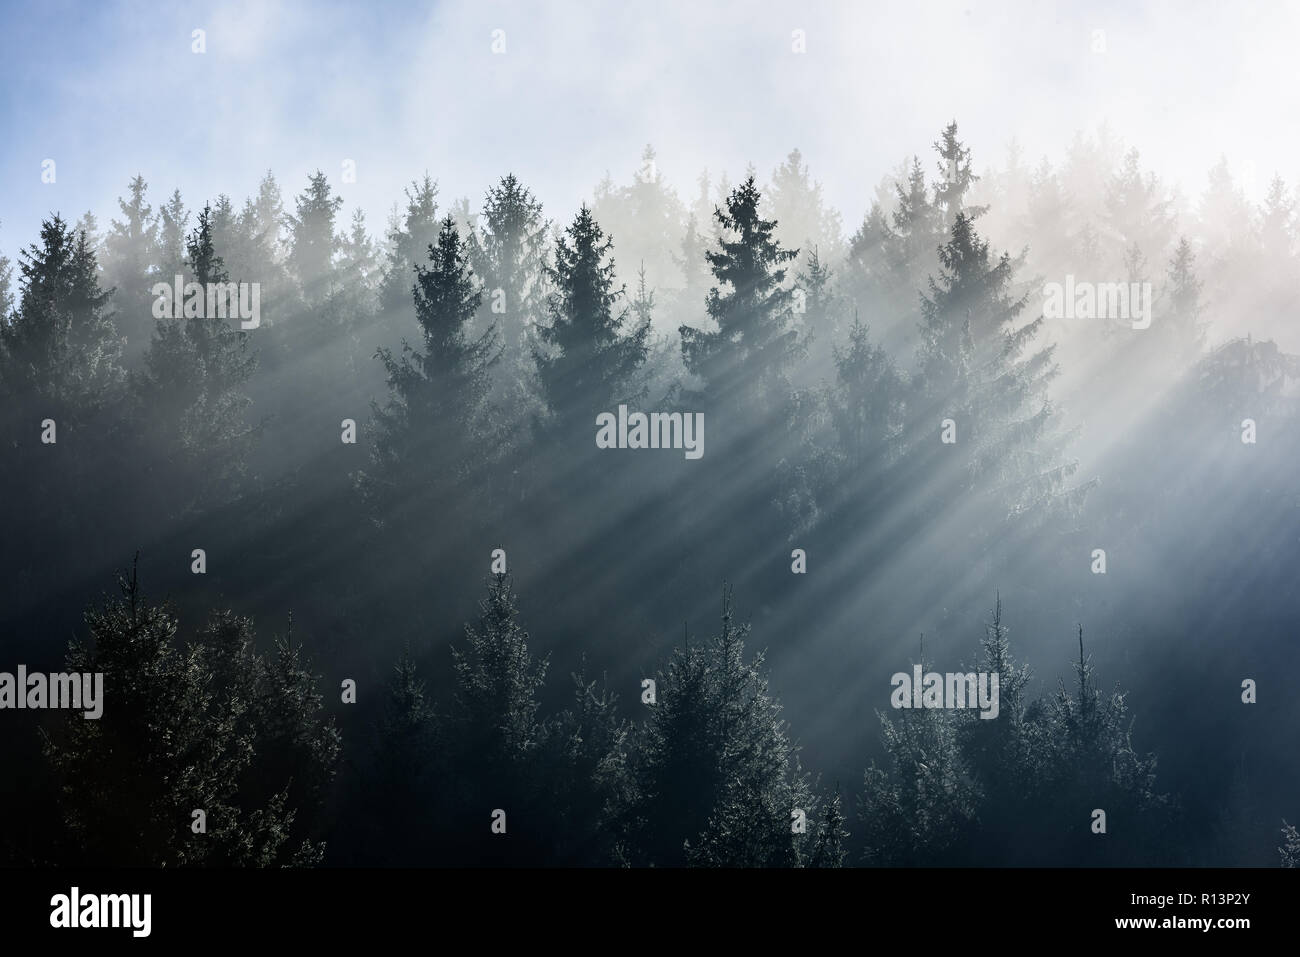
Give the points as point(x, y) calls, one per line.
point(987, 315)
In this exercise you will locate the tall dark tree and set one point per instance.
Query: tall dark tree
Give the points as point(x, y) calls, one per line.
point(753, 346)
point(918, 806)
point(978, 367)
point(716, 778)
point(192, 394)
point(61, 347)
point(427, 427)
point(592, 345)
point(177, 735)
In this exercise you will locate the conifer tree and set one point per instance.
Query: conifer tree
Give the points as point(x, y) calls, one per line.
point(716, 777)
point(408, 243)
point(497, 681)
point(1091, 760)
point(173, 228)
point(918, 807)
point(427, 425)
point(802, 217)
point(956, 177)
point(1180, 329)
point(6, 292)
point(313, 243)
point(749, 352)
point(976, 365)
point(1290, 849)
point(510, 258)
point(593, 344)
point(866, 405)
point(177, 734)
point(584, 757)
point(131, 256)
point(61, 347)
point(192, 389)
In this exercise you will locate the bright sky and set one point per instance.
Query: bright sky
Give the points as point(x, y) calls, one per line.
point(111, 89)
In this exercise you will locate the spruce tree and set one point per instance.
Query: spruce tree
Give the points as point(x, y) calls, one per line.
point(1091, 763)
point(313, 243)
point(919, 805)
point(801, 214)
point(131, 255)
point(409, 242)
point(427, 428)
point(829, 850)
point(715, 776)
point(746, 357)
point(173, 227)
point(180, 731)
point(956, 177)
point(192, 390)
point(592, 345)
point(978, 366)
point(1290, 849)
point(510, 258)
point(61, 346)
point(866, 406)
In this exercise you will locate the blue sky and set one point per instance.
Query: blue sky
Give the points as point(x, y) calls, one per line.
point(111, 89)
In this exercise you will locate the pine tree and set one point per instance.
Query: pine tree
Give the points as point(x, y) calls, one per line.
point(268, 218)
point(866, 405)
point(593, 347)
point(1005, 755)
point(1277, 230)
point(313, 244)
point(510, 258)
point(829, 851)
point(919, 806)
point(495, 736)
point(398, 794)
point(178, 733)
point(428, 422)
point(818, 324)
point(408, 244)
point(583, 755)
point(192, 390)
point(1138, 209)
point(6, 292)
point(61, 346)
point(715, 775)
point(694, 269)
point(1180, 329)
point(752, 347)
point(975, 367)
point(1290, 850)
point(131, 254)
point(497, 681)
point(646, 216)
point(173, 222)
point(955, 179)
point(802, 218)
point(1091, 761)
